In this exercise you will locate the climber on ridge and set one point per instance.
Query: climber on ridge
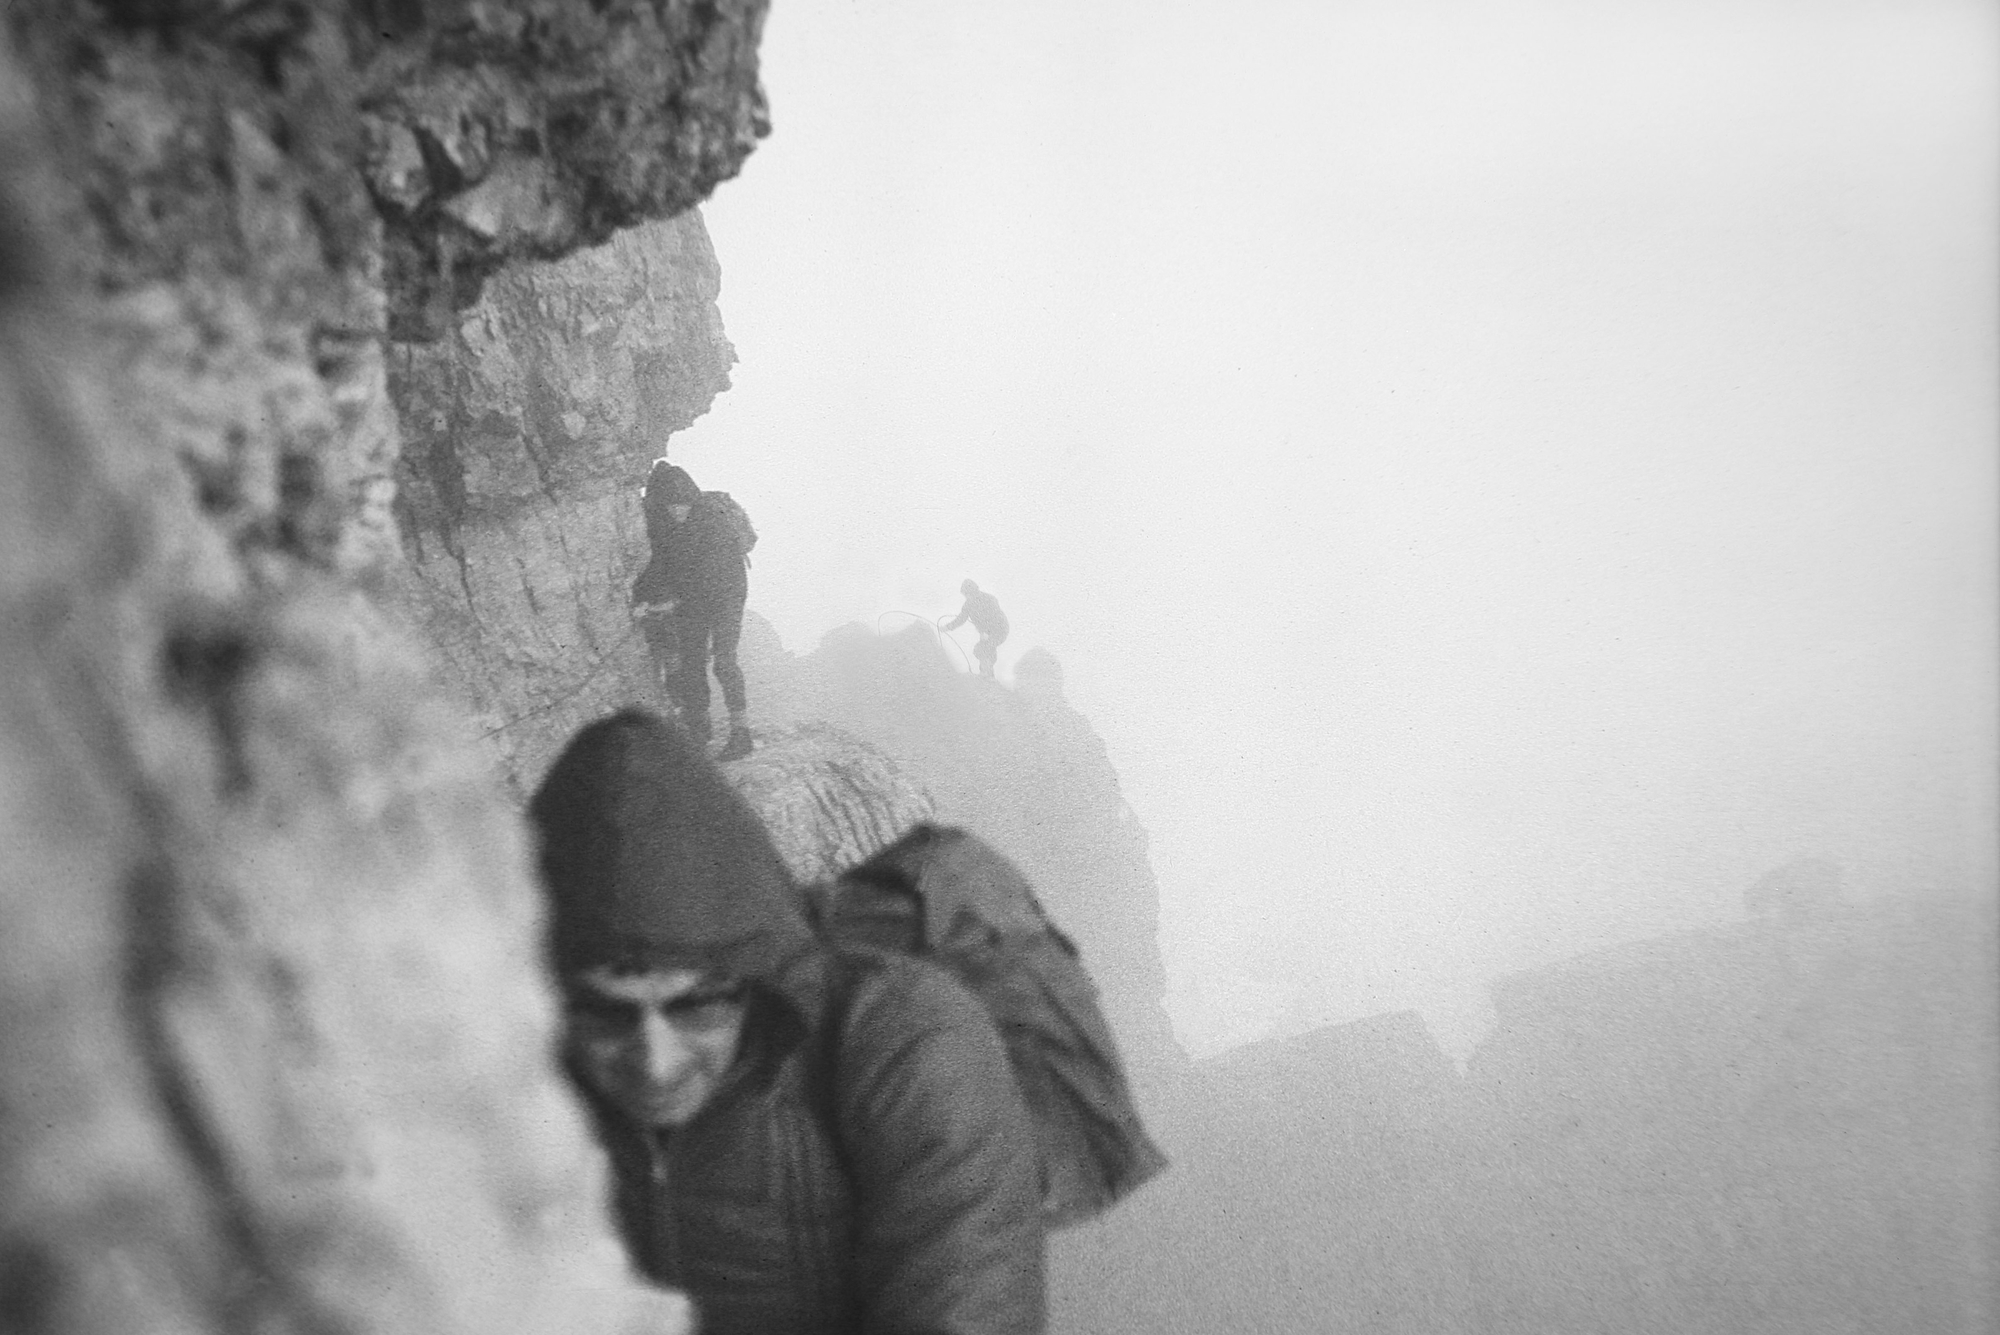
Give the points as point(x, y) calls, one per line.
point(690, 598)
point(983, 611)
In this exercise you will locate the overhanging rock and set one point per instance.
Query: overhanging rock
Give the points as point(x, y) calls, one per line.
point(274, 1040)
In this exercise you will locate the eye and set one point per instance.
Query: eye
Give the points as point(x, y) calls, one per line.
point(716, 993)
point(601, 1013)
point(707, 1015)
point(709, 1008)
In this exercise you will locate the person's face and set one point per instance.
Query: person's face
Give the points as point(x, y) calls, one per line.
point(655, 1044)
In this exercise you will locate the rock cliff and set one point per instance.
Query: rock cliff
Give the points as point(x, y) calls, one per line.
point(829, 799)
point(528, 429)
point(273, 1048)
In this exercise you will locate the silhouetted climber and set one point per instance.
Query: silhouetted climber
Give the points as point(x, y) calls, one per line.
point(810, 1139)
point(983, 611)
point(691, 594)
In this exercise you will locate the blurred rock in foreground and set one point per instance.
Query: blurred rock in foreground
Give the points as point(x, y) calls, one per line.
point(830, 800)
point(275, 1047)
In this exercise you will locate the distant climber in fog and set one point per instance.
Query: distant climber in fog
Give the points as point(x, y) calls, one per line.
point(690, 598)
point(983, 611)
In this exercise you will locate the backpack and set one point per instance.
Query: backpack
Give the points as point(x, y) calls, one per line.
point(666, 483)
point(721, 506)
point(944, 895)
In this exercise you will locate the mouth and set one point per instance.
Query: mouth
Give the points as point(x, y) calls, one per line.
point(658, 1107)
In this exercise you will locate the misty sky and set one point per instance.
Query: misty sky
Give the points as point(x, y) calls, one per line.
point(1500, 477)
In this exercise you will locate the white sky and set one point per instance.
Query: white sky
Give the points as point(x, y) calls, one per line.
point(1501, 477)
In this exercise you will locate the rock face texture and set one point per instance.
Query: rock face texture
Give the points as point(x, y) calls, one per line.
point(829, 799)
point(274, 1052)
point(536, 127)
point(528, 431)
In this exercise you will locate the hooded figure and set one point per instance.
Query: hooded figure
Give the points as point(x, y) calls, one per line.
point(697, 573)
point(807, 1141)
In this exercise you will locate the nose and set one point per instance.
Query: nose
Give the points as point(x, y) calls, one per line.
point(663, 1052)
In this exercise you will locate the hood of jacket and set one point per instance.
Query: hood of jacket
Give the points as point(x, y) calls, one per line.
point(651, 860)
point(670, 484)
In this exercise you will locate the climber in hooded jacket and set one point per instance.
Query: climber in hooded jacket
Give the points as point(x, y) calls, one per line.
point(697, 572)
point(808, 1140)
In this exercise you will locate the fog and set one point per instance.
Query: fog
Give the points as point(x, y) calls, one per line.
point(1501, 478)
point(1784, 1124)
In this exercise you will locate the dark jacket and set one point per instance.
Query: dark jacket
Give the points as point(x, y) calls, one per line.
point(982, 609)
point(697, 560)
point(868, 1166)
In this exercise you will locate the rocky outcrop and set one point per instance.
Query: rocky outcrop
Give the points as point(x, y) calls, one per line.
point(1775, 1127)
point(532, 129)
point(1020, 767)
point(274, 1048)
point(830, 800)
point(528, 431)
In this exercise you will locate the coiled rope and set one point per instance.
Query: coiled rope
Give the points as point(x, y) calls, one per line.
point(943, 635)
point(632, 631)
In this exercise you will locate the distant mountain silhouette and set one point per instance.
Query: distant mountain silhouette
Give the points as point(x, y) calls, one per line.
point(1786, 1126)
point(1762, 1129)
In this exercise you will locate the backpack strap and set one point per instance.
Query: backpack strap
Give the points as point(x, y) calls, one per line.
point(843, 976)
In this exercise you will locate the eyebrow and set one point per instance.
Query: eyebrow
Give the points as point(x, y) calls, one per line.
point(709, 993)
point(702, 994)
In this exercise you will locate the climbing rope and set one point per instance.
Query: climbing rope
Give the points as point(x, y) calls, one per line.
point(603, 660)
point(934, 629)
point(632, 630)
